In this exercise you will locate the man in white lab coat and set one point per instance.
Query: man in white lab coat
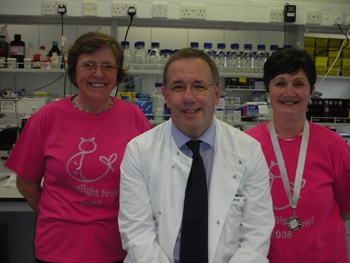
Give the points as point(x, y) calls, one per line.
point(157, 164)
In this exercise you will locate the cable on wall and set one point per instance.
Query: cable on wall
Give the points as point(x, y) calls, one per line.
point(131, 13)
point(343, 45)
point(62, 10)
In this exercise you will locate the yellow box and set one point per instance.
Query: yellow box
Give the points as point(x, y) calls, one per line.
point(336, 64)
point(334, 42)
point(335, 71)
point(346, 62)
point(310, 51)
point(321, 42)
point(333, 54)
point(321, 62)
point(321, 52)
point(129, 94)
point(309, 41)
point(345, 72)
point(346, 53)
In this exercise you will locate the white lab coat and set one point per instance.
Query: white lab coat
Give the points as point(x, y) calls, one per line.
point(154, 174)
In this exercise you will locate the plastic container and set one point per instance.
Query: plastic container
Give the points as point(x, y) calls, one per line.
point(17, 50)
point(27, 63)
point(30, 51)
point(139, 56)
point(55, 62)
point(221, 57)
point(248, 59)
point(36, 61)
point(43, 53)
point(234, 58)
point(12, 63)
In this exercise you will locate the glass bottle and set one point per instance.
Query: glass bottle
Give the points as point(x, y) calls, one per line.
point(4, 51)
point(127, 54)
point(153, 56)
point(261, 57)
point(248, 59)
point(17, 50)
point(158, 102)
point(208, 49)
point(221, 57)
point(194, 45)
point(139, 56)
point(234, 58)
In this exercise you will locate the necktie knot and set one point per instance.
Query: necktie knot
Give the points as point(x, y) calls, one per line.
point(194, 146)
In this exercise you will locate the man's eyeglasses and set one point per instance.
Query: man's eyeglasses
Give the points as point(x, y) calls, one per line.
point(105, 67)
point(195, 87)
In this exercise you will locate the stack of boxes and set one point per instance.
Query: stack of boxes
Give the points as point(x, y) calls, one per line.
point(325, 51)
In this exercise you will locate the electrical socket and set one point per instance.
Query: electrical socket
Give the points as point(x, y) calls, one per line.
point(90, 7)
point(120, 9)
point(193, 11)
point(160, 10)
point(51, 7)
point(340, 17)
point(276, 15)
point(313, 17)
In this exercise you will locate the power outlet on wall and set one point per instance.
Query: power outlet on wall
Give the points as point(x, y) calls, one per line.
point(51, 7)
point(90, 7)
point(193, 11)
point(276, 15)
point(341, 18)
point(160, 10)
point(120, 9)
point(313, 17)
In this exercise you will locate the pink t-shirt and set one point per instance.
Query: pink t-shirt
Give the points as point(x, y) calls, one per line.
point(324, 191)
point(79, 157)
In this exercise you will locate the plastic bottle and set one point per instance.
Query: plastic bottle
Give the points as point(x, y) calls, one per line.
point(127, 54)
point(221, 57)
point(17, 50)
point(30, 51)
point(43, 53)
point(158, 102)
point(208, 49)
point(36, 61)
point(139, 56)
point(153, 56)
point(261, 57)
point(248, 59)
point(194, 45)
point(4, 51)
point(55, 61)
point(234, 58)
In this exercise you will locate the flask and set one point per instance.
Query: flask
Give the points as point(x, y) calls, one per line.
point(158, 102)
point(139, 56)
point(221, 57)
point(127, 54)
point(55, 61)
point(261, 57)
point(153, 56)
point(234, 58)
point(209, 51)
point(194, 45)
point(4, 51)
point(17, 50)
point(248, 59)
point(43, 54)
